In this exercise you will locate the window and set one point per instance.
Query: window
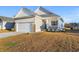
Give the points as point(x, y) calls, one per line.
point(54, 22)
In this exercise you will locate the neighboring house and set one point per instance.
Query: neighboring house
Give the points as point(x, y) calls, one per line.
point(40, 20)
point(4, 20)
point(72, 26)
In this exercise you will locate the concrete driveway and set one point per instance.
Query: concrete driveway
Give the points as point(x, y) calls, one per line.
point(3, 35)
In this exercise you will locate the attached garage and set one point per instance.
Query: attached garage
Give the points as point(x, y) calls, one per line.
point(24, 20)
point(24, 27)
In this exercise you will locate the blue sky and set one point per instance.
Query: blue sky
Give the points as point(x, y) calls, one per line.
point(68, 13)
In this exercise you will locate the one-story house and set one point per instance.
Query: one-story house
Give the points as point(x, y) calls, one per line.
point(37, 21)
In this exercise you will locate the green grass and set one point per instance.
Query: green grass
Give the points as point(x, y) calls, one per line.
point(10, 44)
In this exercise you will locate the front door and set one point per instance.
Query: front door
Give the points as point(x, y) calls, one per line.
point(44, 25)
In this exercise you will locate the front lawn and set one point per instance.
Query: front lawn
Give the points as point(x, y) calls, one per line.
point(42, 41)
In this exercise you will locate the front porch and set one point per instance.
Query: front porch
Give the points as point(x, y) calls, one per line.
point(52, 26)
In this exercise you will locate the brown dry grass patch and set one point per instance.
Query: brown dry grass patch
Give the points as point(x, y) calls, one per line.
point(3, 31)
point(42, 41)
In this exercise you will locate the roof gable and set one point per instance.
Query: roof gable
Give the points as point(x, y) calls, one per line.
point(24, 12)
point(43, 11)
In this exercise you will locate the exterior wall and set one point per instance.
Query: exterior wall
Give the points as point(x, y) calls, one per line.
point(33, 27)
point(38, 22)
point(3, 26)
point(16, 27)
point(25, 20)
point(60, 24)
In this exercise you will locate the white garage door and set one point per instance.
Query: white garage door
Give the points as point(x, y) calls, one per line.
point(24, 27)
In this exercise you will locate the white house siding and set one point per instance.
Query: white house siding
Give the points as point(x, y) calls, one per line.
point(25, 20)
point(16, 26)
point(60, 24)
point(38, 23)
point(3, 26)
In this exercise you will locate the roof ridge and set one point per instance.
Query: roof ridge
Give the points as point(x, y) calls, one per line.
point(43, 9)
point(23, 8)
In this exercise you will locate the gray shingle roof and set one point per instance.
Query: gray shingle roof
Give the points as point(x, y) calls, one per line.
point(3, 18)
point(24, 12)
point(47, 12)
